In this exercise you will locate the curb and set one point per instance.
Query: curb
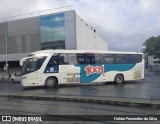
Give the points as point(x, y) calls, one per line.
point(122, 102)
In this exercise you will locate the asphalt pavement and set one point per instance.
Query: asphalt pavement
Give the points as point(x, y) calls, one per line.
point(134, 93)
point(77, 112)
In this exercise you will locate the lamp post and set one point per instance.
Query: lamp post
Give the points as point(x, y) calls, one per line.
point(6, 41)
point(6, 65)
point(6, 52)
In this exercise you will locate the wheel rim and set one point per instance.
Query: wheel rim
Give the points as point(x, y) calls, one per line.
point(119, 79)
point(50, 82)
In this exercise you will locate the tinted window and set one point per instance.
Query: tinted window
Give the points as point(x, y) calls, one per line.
point(72, 59)
point(90, 59)
point(122, 59)
point(136, 58)
point(33, 64)
point(81, 59)
point(55, 60)
point(97, 59)
point(40, 62)
point(107, 59)
point(64, 58)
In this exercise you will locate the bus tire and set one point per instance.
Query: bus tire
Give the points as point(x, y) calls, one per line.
point(119, 79)
point(50, 82)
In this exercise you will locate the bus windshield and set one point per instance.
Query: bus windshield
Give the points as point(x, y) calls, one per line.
point(32, 64)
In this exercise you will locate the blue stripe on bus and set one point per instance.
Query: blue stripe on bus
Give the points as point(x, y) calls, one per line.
point(96, 70)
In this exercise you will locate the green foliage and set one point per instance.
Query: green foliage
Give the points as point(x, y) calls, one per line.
point(153, 47)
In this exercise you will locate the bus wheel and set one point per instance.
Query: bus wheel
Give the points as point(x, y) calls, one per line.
point(50, 82)
point(119, 79)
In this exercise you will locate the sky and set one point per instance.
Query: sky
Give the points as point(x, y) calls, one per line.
point(124, 24)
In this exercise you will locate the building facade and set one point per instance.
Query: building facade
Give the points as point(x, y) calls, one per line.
point(63, 30)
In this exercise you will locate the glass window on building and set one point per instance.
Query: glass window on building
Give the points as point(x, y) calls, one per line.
point(52, 31)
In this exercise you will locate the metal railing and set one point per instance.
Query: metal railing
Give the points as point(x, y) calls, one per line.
point(37, 13)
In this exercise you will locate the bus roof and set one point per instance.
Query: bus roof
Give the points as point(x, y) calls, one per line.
point(42, 52)
point(94, 52)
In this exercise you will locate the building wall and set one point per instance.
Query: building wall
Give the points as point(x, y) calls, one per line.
point(3, 32)
point(23, 35)
point(87, 39)
point(70, 30)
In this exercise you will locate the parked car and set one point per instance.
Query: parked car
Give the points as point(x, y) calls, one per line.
point(16, 78)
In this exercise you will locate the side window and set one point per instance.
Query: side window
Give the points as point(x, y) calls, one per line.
point(64, 58)
point(136, 58)
point(55, 60)
point(97, 59)
point(32, 65)
point(83, 58)
point(80, 58)
point(122, 59)
point(72, 59)
point(108, 58)
point(90, 59)
point(40, 62)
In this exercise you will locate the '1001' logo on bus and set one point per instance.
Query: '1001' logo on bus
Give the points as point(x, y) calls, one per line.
point(94, 69)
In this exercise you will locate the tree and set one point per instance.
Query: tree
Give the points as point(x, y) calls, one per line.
point(153, 47)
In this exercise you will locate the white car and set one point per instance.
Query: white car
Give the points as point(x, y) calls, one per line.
point(16, 78)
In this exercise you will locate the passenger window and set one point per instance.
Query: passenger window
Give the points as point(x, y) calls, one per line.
point(55, 60)
point(90, 59)
point(72, 59)
point(97, 59)
point(64, 58)
point(80, 58)
point(107, 59)
point(122, 59)
point(136, 58)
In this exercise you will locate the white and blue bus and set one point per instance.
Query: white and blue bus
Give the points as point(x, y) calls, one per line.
point(53, 67)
